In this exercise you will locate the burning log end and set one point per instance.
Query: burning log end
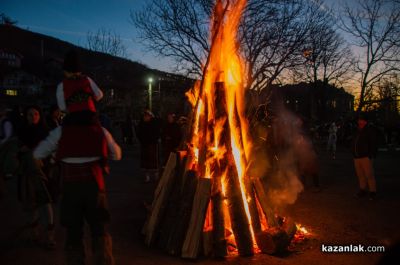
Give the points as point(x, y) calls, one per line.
point(276, 239)
point(290, 228)
point(273, 241)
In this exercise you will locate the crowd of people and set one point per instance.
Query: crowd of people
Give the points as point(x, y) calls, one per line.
point(63, 159)
point(66, 153)
point(59, 158)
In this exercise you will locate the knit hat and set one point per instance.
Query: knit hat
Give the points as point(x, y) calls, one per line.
point(72, 62)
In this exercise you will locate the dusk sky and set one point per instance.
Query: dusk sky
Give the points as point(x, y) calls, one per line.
point(71, 20)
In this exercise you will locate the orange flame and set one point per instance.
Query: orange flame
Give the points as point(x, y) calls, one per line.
point(225, 65)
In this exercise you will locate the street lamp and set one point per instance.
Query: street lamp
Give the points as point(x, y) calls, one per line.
point(150, 92)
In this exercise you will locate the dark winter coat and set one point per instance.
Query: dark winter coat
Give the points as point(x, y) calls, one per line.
point(148, 134)
point(31, 134)
point(364, 143)
point(171, 137)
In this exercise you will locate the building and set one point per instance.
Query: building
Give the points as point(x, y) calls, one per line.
point(319, 101)
point(10, 59)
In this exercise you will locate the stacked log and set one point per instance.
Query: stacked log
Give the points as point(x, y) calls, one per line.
point(161, 194)
point(183, 195)
point(218, 220)
point(239, 221)
point(178, 226)
point(191, 245)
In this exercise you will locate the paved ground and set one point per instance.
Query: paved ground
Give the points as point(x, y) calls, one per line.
point(333, 215)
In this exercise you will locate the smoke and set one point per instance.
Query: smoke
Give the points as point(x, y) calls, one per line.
point(284, 156)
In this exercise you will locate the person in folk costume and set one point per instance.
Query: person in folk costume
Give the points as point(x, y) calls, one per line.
point(77, 92)
point(82, 147)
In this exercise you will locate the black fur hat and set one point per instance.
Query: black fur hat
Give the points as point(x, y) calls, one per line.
point(72, 62)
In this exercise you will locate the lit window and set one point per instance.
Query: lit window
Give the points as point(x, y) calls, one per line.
point(11, 92)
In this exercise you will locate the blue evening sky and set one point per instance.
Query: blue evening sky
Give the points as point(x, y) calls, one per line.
point(70, 20)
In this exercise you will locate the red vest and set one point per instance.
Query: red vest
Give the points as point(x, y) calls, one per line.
point(82, 141)
point(78, 94)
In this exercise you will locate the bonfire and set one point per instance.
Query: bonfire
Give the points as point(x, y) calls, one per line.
point(207, 202)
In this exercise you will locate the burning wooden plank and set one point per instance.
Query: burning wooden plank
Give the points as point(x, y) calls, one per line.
point(218, 218)
point(239, 221)
point(191, 245)
point(276, 240)
point(263, 200)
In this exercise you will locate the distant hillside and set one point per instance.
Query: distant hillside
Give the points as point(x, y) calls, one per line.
point(43, 57)
point(38, 50)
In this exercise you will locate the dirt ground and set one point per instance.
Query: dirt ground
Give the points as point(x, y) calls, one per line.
point(333, 215)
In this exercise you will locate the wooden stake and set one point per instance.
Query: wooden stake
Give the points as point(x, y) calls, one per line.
point(219, 241)
point(179, 225)
point(191, 245)
point(160, 200)
point(238, 217)
point(262, 199)
point(175, 203)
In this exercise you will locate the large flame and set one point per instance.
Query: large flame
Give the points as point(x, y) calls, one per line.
point(226, 66)
point(220, 144)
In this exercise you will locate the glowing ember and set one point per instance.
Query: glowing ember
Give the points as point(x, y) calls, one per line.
point(302, 229)
point(301, 234)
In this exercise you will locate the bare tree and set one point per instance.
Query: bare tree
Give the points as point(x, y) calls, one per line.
point(328, 58)
point(176, 29)
point(375, 26)
point(388, 92)
point(272, 34)
point(6, 20)
point(106, 41)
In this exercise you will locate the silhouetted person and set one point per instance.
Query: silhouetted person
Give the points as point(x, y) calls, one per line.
point(171, 136)
point(364, 150)
point(332, 139)
point(148, 134)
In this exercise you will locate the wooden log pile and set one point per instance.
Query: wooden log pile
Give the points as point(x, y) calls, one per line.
point(185, 200)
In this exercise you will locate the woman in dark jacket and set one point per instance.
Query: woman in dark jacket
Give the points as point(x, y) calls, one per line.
point(148, 134)
point(34, 128)
point(33, 192)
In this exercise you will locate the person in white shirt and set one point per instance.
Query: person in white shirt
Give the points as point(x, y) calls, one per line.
point(82, 148)
point(332, 138)
point(83, 191)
